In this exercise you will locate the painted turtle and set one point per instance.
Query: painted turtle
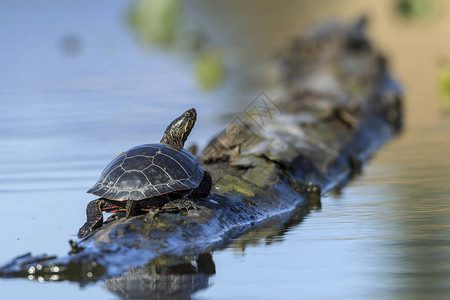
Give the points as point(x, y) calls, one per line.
point(150, 176)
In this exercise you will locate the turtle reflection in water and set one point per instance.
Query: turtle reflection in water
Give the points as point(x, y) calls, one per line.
point(165, 277)
point(151, 176)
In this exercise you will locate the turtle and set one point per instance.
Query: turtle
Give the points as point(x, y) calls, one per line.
point(163, 176)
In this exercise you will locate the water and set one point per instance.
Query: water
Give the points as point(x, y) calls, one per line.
point(77, 89)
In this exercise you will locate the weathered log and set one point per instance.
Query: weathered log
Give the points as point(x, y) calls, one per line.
point(271, 163)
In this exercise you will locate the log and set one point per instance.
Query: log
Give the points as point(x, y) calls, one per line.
point(270, 166)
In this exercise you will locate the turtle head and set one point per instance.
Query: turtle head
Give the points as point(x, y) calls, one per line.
point(178, 131)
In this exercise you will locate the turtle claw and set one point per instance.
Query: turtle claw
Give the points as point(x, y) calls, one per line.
point(179, 205)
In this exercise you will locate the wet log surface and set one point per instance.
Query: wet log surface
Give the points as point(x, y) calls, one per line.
point(269, 166)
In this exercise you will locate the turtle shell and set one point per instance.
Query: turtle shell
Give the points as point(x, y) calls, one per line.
point(146, 171)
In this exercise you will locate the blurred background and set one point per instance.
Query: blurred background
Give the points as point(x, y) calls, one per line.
point(81, 81)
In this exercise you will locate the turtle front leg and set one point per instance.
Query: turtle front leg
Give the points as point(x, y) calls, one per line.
point(178, 205)
point(94, 213)
point(182, 202)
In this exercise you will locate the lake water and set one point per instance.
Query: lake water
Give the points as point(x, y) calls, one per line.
point(76, 89)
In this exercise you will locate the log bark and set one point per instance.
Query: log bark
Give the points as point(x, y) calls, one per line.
point(271, 163)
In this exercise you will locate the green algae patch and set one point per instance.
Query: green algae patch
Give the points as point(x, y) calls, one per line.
point(228, 184)
point(264, 175)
